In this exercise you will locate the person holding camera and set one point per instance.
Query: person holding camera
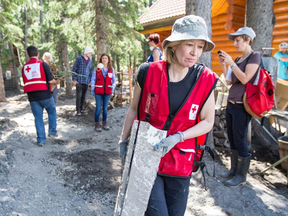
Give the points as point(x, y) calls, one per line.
point(239, 73)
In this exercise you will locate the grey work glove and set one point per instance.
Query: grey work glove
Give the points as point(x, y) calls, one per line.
point(169, 142)
point(123, 150)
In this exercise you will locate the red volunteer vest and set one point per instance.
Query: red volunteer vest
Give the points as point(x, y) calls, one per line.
point(103, 85)
point(154, 108)
point(34, 76)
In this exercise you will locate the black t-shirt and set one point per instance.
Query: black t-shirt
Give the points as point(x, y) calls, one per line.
point(178, 90)
point(45, 94)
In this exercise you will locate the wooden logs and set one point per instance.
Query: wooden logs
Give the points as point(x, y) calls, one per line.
point(280, 7)
point(233, 25)
point(281, 24)
point(234, 9)
point(219, 19)
point(220, 136)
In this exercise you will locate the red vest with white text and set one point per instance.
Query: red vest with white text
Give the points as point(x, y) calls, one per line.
point(103, 85)
point(34, 76)
point(154, 108)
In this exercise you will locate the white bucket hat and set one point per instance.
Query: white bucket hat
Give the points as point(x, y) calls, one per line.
point(190, 27)
point(88, 50)
point(243, 31)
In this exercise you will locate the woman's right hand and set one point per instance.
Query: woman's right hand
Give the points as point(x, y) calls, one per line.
point(225, 57)
point(92, 91)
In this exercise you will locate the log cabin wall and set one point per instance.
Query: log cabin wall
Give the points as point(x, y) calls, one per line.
point(227, 18)
point(280, 31)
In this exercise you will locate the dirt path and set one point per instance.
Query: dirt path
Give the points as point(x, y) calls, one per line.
point(78, 173)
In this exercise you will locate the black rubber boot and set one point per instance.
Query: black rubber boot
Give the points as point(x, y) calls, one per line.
point(241, 174)
point(234, 161)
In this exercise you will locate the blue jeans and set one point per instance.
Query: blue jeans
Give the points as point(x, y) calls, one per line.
point(55, 94)
point(168, 197)
point(99, 99)
point(237, 120)
point(37, 110)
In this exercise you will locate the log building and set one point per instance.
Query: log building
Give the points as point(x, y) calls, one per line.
point(227, 17)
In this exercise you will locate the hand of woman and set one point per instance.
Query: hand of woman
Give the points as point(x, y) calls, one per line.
point(226, 58)
point(169, 142)
point(123, 149)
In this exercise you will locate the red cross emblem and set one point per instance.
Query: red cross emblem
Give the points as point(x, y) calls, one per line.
point(28, 69)
point(194, 109)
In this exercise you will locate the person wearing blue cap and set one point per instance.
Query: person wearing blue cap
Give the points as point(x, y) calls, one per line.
point(176, 95)
point(239, 72)
point(282, 58)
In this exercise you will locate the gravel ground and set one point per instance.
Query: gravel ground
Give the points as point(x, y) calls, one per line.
point(79, 172)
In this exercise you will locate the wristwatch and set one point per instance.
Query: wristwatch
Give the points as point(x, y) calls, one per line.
point(233, 65)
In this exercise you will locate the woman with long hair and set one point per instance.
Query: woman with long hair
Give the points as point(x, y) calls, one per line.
point(102, 86)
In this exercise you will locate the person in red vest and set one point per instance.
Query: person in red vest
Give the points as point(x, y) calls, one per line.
point(37, 77)
point(177, 95)
point(102, 85)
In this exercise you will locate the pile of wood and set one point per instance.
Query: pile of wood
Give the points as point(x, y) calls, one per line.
point(220, 136)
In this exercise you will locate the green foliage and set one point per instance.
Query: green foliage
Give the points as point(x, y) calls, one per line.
point(72, 22)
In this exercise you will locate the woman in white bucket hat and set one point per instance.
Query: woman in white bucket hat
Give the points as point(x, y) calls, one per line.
point(176, 95)
point(240, 72)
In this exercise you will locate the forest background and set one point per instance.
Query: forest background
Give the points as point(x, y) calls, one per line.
point(65, 27)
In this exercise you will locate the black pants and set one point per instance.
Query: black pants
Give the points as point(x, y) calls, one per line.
point(168, 197)
point(81, 90)
point(237, 120)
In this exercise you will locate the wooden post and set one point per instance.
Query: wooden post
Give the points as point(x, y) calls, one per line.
point(121, 88)
point(130, 83)
point(249, 135)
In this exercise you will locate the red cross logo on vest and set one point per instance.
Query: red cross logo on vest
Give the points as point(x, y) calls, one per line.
point(28, 69)
point(194, 109)
point(193, 112)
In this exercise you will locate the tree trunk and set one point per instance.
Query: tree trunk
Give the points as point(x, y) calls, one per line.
point(41, 22)
point(25, 37)
point(48, 34)
point(134, 64)
point(190, 7)
point(203, 9)
point(134, 69)
point(67, 69)
point(261, 18)
point(61, 61)
point(118, 68)
point(100, 23)
point(16, 81)
point(2, 87)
